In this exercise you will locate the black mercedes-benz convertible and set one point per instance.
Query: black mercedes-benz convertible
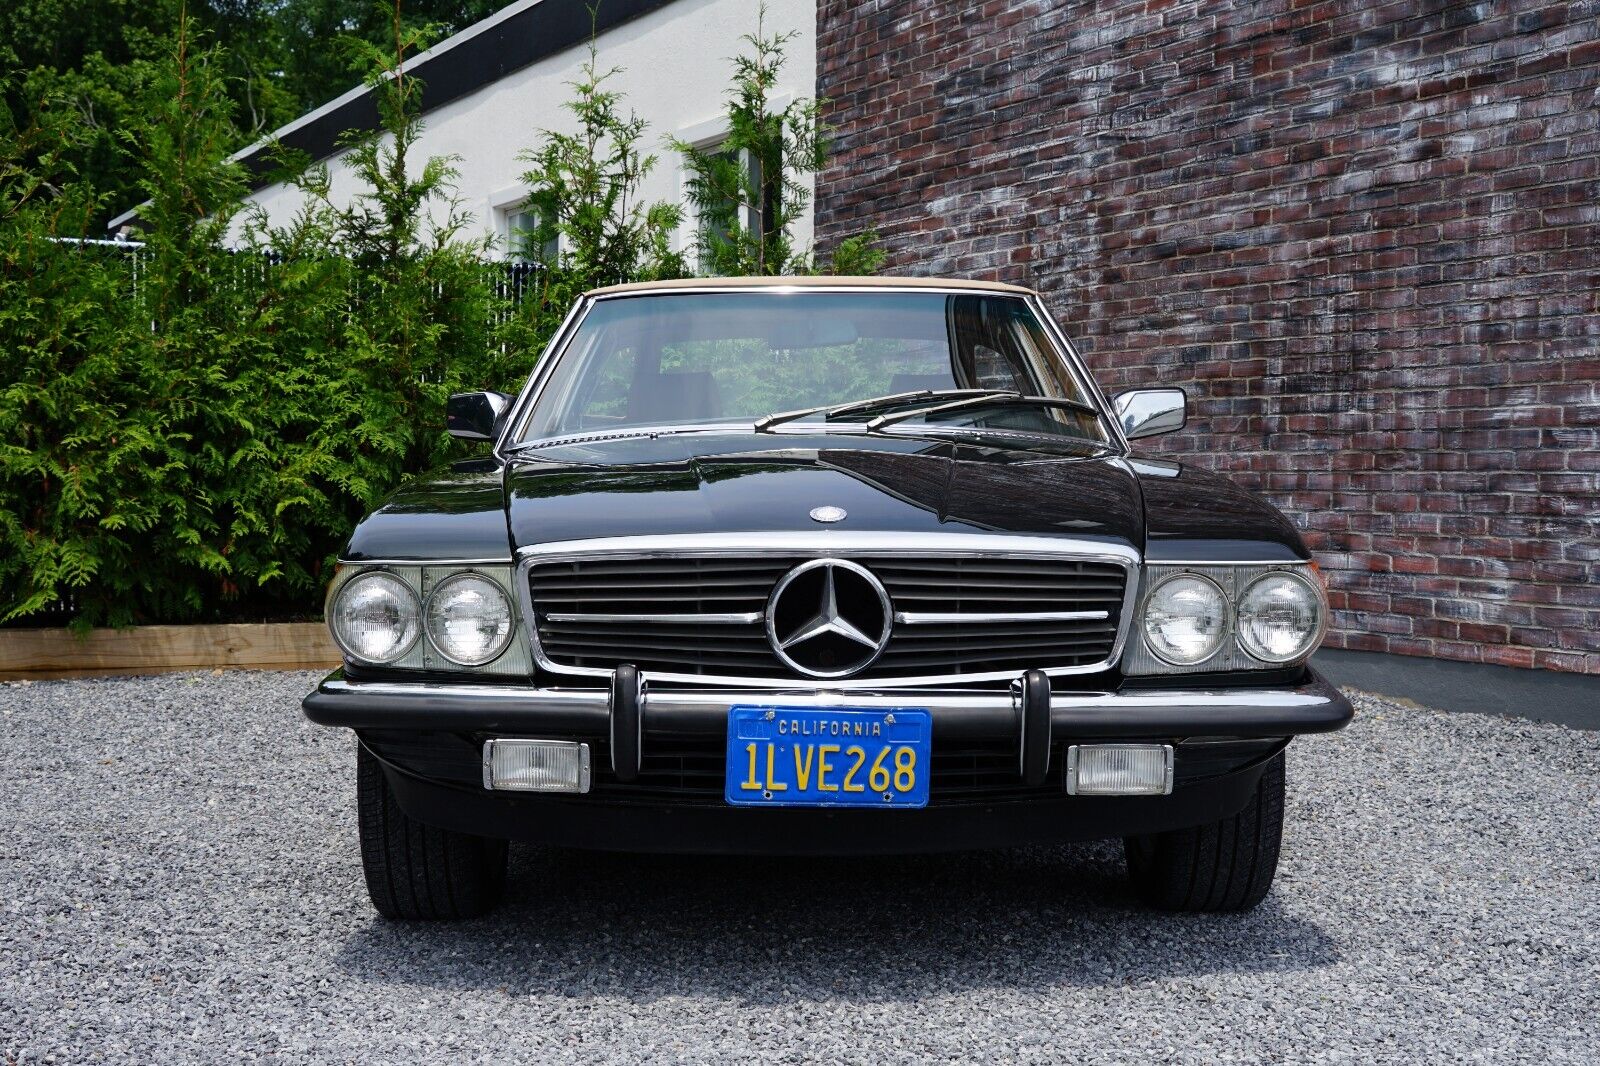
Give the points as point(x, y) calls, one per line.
point(820, 566)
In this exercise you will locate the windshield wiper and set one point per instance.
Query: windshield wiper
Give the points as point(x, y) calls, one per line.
point(619, 433)
point(766, 423)
point(988, 398)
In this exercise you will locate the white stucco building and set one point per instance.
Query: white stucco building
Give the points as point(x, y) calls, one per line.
point(492, 88)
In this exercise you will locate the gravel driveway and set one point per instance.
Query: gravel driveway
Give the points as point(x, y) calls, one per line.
point(179, 881)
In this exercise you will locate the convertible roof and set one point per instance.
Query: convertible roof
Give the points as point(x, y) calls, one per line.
point(824, 281)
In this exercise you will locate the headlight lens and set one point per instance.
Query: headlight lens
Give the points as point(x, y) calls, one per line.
point(469, 619)
point(1185, 618)
point(375, 618)
point(1279, 618)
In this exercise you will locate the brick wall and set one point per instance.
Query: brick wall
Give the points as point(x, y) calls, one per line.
point(1366, 238)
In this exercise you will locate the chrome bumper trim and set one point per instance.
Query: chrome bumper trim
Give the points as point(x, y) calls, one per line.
point(1313, 706)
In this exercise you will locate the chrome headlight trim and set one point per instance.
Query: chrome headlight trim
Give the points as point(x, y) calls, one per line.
point(1140, 660)
point(423, 578)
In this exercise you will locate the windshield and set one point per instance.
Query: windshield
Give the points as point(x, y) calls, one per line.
point(733, 359)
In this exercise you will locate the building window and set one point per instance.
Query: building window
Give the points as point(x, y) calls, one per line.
point(518, 228)
point(717, 223)
point(714, 225)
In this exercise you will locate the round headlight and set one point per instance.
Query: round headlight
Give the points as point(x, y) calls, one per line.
point(1184, 620)
point(469, 619)
point(374, 618)
point(1280, 618)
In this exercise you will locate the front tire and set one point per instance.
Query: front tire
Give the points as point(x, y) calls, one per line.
point(417, 871)
point(1227, 865)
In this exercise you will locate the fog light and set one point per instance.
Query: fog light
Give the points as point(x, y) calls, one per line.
point(536, 765)
point(1119, 769)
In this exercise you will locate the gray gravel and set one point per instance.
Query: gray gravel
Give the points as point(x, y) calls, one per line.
point(179, 882)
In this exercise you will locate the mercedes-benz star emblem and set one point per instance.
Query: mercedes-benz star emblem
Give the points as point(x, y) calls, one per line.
point(828, 514)
point(829, 618)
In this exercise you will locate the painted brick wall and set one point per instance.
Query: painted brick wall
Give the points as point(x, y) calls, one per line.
point(1366, 238)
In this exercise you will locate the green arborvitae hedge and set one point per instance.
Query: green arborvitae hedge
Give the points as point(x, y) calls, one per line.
point(188, 432)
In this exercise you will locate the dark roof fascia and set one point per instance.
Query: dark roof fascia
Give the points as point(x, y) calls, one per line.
point(463, 67)
point(459, 66)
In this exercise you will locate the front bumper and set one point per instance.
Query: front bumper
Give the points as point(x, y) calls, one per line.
point(1313, 706)
point(1002, 785)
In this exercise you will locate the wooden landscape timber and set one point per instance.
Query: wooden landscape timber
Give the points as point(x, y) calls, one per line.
point(44, 654)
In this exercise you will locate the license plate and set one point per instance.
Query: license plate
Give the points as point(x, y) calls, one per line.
point(804, 757)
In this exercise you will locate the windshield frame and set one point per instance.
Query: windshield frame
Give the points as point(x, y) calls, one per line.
point(511, 445)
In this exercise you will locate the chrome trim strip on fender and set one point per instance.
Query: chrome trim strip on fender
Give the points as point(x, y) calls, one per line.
point(824, 543)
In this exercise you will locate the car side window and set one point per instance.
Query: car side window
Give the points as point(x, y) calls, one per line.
point(998, 346)
point(991, 370)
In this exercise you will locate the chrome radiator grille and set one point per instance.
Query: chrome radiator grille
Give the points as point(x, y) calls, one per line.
point(705, 615)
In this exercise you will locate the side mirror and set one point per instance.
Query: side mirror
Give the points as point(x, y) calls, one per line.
point(1150, 412)
point(476, 415)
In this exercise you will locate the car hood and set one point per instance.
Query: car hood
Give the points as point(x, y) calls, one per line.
point(679, 485)
point(885, 486)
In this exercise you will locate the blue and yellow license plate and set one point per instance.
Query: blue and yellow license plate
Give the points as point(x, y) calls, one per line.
point(801, 757)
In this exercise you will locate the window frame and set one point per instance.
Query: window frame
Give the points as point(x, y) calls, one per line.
point(708, 136)
point(506, 205)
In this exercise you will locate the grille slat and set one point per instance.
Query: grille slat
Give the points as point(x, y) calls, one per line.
point(739, 585)
point(936, 585)
point(734, 638)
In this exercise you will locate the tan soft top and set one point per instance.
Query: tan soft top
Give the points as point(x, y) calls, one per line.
point(823, 281)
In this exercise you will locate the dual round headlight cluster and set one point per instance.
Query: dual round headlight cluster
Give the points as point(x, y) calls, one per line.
point(1278, 618)
point(376, 618)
